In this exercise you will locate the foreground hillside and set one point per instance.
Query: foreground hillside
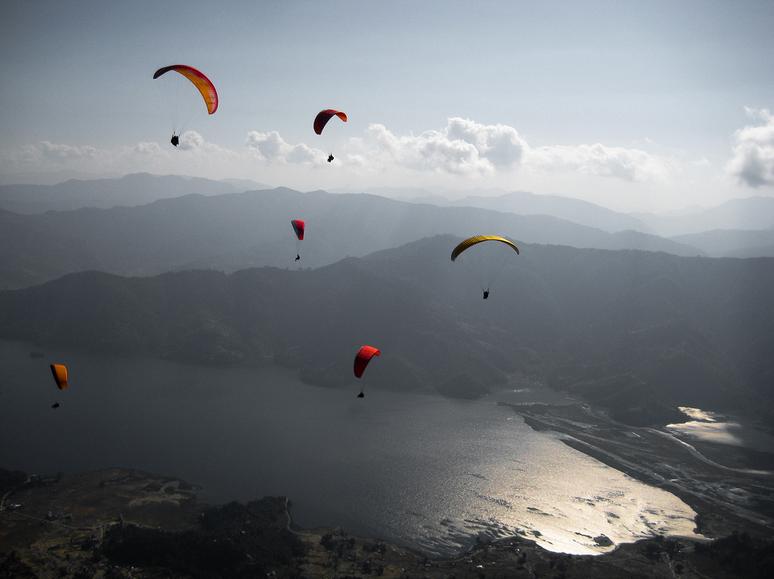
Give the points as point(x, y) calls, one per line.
point(635, 332)
point(124, 523)
point(237, 231)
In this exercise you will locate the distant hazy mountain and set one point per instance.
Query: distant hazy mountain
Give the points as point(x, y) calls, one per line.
point(244, 185)
point(574, 210)
point(748, 214)
point(732, 243)
point(753, 213)
point(635, 332)
point(127, 191)
point(230, 232)
point(523, 203)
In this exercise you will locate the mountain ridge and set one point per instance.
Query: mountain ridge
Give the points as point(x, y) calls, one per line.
point(251, 229)
point(634, 332)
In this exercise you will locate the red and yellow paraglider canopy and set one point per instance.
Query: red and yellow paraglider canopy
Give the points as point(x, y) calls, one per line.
point(199, 80)
point(326, 115)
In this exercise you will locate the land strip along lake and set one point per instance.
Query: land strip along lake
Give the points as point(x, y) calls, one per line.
point(424, 471)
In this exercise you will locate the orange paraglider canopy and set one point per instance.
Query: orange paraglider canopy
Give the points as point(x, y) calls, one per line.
point(60, 375)
point(323, 117)
point(199, 80)
point(363, 357)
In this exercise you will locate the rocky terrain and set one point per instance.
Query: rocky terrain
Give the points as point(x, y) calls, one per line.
point(124, 523)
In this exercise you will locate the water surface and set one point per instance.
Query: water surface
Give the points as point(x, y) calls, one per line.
point(425, 471)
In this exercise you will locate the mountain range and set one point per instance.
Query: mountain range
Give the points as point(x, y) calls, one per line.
point(636, 333)
point(126, 191)
point(238, 230)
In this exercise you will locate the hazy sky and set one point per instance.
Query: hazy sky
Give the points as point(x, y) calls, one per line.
point(637, 105)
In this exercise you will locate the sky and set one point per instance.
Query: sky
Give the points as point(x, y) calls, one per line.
point(639, 106)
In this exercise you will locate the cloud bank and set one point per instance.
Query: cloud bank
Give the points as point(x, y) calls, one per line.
point(465, 147)
point(271, 147)
point(753, 153)
point(462, 148)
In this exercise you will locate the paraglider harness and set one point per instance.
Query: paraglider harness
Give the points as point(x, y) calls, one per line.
point(486, 293)
point(175, 140)
point(330, 158)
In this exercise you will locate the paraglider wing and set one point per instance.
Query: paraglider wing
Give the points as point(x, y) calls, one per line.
point(60, 375)
point(299, 226)
point(471, 241)
point(323, 117)
point(363, 357)
point(199, 80)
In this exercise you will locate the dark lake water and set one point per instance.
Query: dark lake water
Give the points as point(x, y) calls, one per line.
point(420, 470)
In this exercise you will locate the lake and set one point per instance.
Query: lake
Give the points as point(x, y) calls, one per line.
point(423, 471)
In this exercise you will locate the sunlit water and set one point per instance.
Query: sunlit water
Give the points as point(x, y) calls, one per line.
point(712, 427)
point(420, 470)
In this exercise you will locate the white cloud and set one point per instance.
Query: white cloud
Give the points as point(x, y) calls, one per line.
point(501, 145)
point(601, 161)
point(48, 153)
point(59, 152)
point(147, 148)
point(191, 141)
point(495, 153)
point(463, 147)
point(753, 153)
point(273, 148)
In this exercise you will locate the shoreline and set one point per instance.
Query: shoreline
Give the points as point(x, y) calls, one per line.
point(704, 486)
point(123, 523)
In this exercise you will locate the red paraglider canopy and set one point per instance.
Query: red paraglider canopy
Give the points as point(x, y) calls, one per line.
point(299, 226)
point(323, 117)
point(363, 357)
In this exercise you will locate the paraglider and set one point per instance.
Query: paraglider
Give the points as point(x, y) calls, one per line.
point(59, 372)
point(324, 116)
point(362, 358)
point(299, 226)
point(475, 240)
point(200, 81)
point(322, 119)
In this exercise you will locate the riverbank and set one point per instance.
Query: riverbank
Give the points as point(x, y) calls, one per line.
point(726, 498)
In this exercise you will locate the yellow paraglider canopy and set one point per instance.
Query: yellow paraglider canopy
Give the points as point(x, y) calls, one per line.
point(476, 239)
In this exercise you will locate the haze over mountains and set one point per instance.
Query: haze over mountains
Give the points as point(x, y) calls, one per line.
point(637, 333)
point(234, 231)
point(736, 228)
point(127, 191)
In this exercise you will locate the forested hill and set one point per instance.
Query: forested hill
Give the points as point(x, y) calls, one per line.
point(635, 332)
